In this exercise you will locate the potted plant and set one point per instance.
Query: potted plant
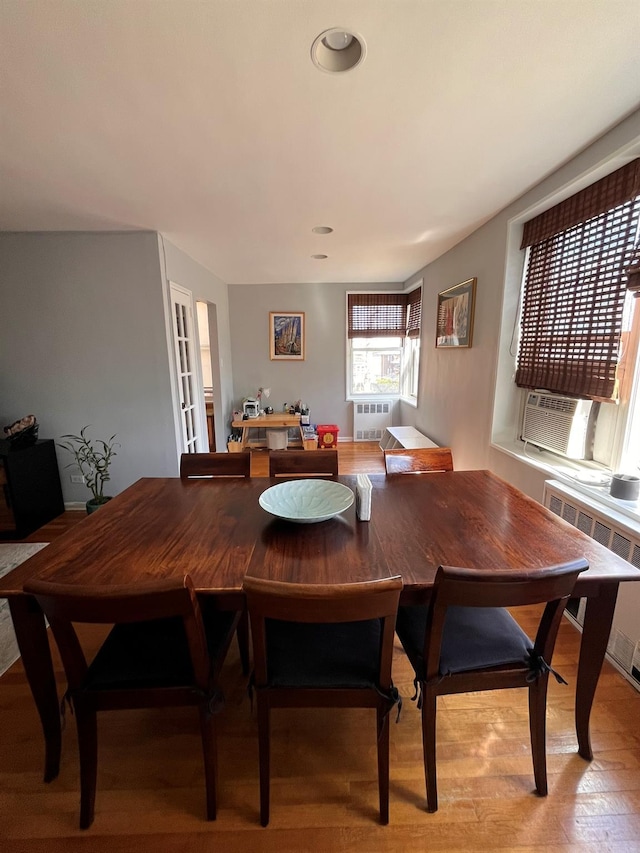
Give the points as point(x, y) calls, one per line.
point(93, 458)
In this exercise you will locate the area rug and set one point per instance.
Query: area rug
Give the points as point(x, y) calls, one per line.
point(11, 555)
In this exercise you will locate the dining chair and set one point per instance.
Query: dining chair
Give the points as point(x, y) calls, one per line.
point(323, 646)
point(159, 653)
point(418, 460)
point(466, 641)
point(303, 463)
point(215, 465)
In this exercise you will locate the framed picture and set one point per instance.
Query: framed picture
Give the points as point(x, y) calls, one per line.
point(455, 315)
point(286, 335)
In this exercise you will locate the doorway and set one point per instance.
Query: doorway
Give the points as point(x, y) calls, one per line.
point(188, 377)
point(205, 335)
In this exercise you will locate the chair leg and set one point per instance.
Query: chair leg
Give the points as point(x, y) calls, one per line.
point(429, 747)
point(264, 742)
point(242, 632)
point(209, 751)
point(537, 728)
point(383, 763)
point(86, 723)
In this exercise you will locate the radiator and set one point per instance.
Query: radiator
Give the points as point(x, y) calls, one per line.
point(622, 536)
point(371, 418)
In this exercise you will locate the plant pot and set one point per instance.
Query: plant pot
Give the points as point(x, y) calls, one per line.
point(93, 505)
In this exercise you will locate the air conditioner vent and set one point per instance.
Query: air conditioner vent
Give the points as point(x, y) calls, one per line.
point(561, 424)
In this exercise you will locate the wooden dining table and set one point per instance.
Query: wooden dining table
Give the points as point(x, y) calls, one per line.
point(215, 531)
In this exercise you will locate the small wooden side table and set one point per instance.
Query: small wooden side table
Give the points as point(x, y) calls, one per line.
point(275, 421)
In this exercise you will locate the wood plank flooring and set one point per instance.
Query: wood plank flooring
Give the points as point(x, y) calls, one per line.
point(324, 789)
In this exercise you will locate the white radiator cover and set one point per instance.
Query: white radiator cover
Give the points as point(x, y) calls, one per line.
point(622, 536)
point(371, 418)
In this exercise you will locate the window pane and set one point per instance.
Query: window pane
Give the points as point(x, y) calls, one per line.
point(375, 365)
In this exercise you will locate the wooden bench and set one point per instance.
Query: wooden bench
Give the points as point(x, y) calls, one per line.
point(406, 437)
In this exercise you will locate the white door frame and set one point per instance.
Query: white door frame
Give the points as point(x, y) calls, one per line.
point(186, 373)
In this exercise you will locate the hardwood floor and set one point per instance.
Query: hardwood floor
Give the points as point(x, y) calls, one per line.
point(324, 789)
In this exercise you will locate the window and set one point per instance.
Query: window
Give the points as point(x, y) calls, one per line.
point(575, 288)
point(383, 343)
point(579, 331)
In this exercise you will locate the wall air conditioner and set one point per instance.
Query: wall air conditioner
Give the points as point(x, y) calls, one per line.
point(622, 536)
point(563, 425)
point(371, 418)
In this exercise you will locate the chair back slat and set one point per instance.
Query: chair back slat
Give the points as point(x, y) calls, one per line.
point(201, 465)
point(418, 460)
point(348, 602)
point(303, 463)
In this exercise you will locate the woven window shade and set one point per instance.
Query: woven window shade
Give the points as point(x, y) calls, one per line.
point(615, 189)
point(414, 319)
point(377, 315)
point(632, 273)
point(573, 302)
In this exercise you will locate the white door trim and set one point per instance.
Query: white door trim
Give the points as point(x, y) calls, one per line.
point(186, 372)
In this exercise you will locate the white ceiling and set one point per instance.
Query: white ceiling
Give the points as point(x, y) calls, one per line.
point(208, 122)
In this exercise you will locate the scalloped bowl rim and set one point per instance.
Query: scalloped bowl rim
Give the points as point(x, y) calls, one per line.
point(331, 499)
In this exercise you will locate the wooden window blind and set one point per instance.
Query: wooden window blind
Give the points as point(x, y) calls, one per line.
point(575, 288)
point(376, 315)
point(414, 316)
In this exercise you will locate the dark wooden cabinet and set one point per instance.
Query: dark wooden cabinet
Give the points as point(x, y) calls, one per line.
point(30, 491)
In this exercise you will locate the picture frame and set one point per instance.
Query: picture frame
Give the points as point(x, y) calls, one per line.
point(286, 336)
point(455, 315)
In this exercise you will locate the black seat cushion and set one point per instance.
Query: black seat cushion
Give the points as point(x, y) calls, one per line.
point(473, 638)
point(152, 654)
point(345, 654)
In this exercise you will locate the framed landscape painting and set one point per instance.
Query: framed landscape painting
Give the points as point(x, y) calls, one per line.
point(286, 335)
point(455, 315)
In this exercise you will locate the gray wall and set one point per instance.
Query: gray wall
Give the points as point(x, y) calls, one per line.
point(456, 398)
point(457, 387)
point(206, 287)
point(319, 380)
point(83, 341)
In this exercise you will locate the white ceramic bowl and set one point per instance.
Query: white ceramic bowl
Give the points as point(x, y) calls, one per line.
point(306, 501)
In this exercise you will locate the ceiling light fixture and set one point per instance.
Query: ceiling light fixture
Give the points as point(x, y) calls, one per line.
point(319, 257)
point(322, 229)
point(337, 40)
point(337, 50)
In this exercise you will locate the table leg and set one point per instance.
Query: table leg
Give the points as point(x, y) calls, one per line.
point(31, 634)
point(598, 618)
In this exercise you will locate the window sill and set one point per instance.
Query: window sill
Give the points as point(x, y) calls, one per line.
point(572, 472)
point(409, 401)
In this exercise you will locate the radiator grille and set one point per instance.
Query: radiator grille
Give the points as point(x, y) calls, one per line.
point(371, 418)
point(624, 643)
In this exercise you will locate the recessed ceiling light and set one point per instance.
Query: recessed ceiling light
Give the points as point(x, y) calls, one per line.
point(337, 50)
point(319, 257)
point(322, 229)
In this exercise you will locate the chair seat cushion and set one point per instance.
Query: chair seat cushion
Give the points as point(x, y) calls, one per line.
point(153, 654)
point(346, 654)
point(473, 638)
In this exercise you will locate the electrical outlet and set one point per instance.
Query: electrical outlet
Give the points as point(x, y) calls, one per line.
point(77, 478)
